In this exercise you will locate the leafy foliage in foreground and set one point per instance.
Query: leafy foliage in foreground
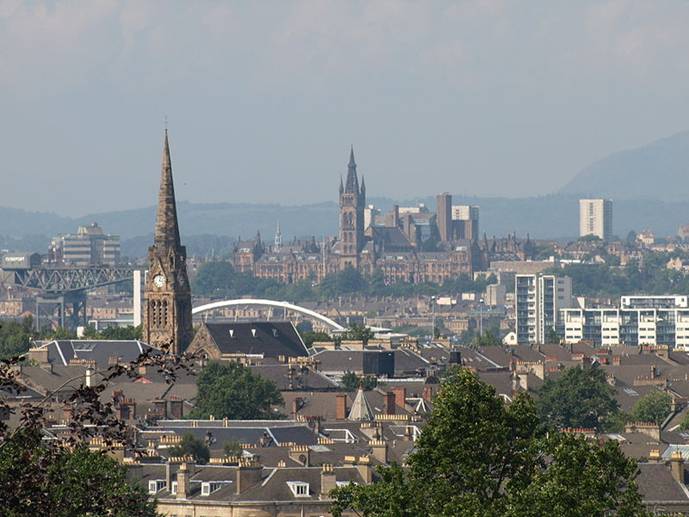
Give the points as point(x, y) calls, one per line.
point(36, 479)
point(479, 457)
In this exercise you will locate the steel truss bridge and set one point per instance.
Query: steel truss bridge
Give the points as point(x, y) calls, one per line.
point(62, 290)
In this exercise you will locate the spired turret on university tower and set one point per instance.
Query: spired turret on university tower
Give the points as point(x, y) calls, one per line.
point(352, 203)
point(167, 320)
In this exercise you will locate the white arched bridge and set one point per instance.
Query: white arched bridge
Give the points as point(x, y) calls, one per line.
point(244, 302)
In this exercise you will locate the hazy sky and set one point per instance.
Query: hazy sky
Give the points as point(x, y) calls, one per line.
point(506, 98)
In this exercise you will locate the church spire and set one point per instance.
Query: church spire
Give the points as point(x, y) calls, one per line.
point(166, 229)
point(352, 184)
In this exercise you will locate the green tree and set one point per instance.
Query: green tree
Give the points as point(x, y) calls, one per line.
point(580, 479)
point(479, 457)
point(652, 407)
point(213, 277)
point(352, 382)
point(121, 333)
point(231, 390)
point(194, 447)
point(359, 333)
point(233, 448)
point(37, 480)
point(310, 337)
point(15, 337)
point(580, 397)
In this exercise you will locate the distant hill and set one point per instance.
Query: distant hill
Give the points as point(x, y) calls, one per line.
point(211, 228)
point(659, 170)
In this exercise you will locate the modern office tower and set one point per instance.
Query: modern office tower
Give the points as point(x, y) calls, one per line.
point(640, 320)
point(90, 246)
point(538, 300)
point(465, 222)
point(444, 216)
point(595, 218)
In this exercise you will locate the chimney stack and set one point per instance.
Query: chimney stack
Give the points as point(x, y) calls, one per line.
point(428, 393)
point(341, 406)
point(380, 450)
point(389, 403)
point(328, 480)
point(248, 474)
point(183, 481)
point(677, 466)
point(400, 395)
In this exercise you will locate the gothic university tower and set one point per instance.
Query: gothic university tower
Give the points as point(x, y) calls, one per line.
point(167, 310)
point(352, 203)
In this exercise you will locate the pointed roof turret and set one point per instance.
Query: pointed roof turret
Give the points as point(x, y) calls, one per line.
point(167, 228)
point(361, 410)
point(363, 185)
point(341, 185)
point(352, 184)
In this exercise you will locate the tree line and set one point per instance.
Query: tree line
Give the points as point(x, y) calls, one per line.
point(221, 279)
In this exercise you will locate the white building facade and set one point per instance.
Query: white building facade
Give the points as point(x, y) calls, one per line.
point(595, 218)
point(538, 301)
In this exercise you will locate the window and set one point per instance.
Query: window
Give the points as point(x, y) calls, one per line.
point(299, 488)
point(173, 488)
point(205, 488)
point(155, 486)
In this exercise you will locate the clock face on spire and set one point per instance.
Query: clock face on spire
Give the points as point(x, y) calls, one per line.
point(159, 281)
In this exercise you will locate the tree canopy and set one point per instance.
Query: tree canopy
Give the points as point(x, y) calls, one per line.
point(352, 382)
point(579, 397)
point(194, 447)
point(478, 456)
point(15, 337)
point(37, 480)
point(220, 279)
point(231, 390)
point(652, 407)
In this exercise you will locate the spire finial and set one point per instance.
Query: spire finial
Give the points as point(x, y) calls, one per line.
point(352, 183)
point(167, 229)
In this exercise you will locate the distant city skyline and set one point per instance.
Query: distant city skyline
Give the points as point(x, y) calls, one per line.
point(486, 98)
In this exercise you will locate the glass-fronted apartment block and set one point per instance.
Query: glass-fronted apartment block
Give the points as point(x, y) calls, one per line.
point(538, 300)
point(640, 320)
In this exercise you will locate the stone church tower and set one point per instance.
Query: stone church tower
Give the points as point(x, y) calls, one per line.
point(167, 310)
point(352, 203)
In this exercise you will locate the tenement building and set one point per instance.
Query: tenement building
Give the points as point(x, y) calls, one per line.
point(408, 244)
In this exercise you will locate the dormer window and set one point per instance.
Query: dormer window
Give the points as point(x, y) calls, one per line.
point(231, 333)
point(275, 332)
point(208, 487)
point(173, 488)
point(253, 332)
point(299, 488)
point(155, 486)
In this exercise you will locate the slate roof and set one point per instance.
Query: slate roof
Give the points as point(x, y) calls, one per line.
point(656, 483)
point(303, 378)
point(340, 361)
point(62, 351)
point(270, 338)
point(246, 431)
